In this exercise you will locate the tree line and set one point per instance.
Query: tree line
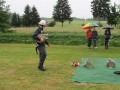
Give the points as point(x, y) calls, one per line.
point(101, 10)
point(29, 18)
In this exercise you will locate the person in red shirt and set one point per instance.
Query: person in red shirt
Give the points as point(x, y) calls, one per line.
point(89, 36)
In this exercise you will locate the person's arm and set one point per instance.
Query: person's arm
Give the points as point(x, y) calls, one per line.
point(47, 42)
point(35, 37)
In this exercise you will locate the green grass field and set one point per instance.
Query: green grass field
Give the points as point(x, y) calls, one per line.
point(75, 26)
point(18, 62)
point(18, 67)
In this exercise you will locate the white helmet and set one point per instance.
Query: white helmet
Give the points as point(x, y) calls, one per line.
point(42, 22)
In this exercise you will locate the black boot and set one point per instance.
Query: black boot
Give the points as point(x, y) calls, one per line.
point(106, 46)
point(42, 68)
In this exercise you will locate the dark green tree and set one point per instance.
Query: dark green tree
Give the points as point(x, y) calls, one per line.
point(4, 16)
point(15, 21)
point(62, 11)
point(100, 9)
point(112, 17)
point(18, 20)
point(118, 18)
point(26, 20)
point(35, 18)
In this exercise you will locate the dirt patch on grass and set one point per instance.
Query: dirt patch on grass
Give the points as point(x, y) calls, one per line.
point(7, 72)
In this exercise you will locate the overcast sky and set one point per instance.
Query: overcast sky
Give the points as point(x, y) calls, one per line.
point(80, 8)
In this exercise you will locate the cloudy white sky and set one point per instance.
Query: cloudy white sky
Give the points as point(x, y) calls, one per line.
point(80, 8)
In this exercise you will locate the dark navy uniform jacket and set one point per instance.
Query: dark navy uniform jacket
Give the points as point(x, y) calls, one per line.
point(39, 31)
point(107, 34)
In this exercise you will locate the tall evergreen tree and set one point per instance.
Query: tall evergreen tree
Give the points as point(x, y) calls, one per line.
point(4, 16)
point(100, 9)
point(35, 18)
point(62, 11)
point(15, 21)
point(26, 20)
point(18, 20)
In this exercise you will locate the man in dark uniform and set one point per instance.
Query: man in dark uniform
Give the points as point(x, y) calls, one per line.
point(41, 44)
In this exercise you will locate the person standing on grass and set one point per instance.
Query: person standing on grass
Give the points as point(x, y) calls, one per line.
point(94, 37)
point(41, 44)
point(89, 37)
point(107, 37)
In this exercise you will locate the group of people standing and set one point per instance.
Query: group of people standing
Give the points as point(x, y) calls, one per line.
point(92, 35)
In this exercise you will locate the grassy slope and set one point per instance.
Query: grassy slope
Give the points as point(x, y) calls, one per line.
point(18, 67)
point(75, 26)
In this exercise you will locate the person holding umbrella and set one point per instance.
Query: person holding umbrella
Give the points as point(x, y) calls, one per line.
point(107, 35)
point(88, 27)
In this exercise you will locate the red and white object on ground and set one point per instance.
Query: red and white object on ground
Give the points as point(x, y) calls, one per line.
point(75, 63)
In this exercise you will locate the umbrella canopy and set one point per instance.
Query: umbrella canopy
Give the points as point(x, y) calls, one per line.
point(88, 25)
point(107, 27)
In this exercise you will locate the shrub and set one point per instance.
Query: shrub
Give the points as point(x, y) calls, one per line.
point(100, 24)
point(82, 24)
point(52, 24)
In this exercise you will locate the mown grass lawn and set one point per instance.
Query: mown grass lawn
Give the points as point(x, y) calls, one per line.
point(18, 67)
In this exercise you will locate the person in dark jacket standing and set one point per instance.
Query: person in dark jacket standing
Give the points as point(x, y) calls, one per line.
point(41, 44)
point(107, 37)
point(94, 37)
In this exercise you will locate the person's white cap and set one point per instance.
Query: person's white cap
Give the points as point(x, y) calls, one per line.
point(42, 22)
